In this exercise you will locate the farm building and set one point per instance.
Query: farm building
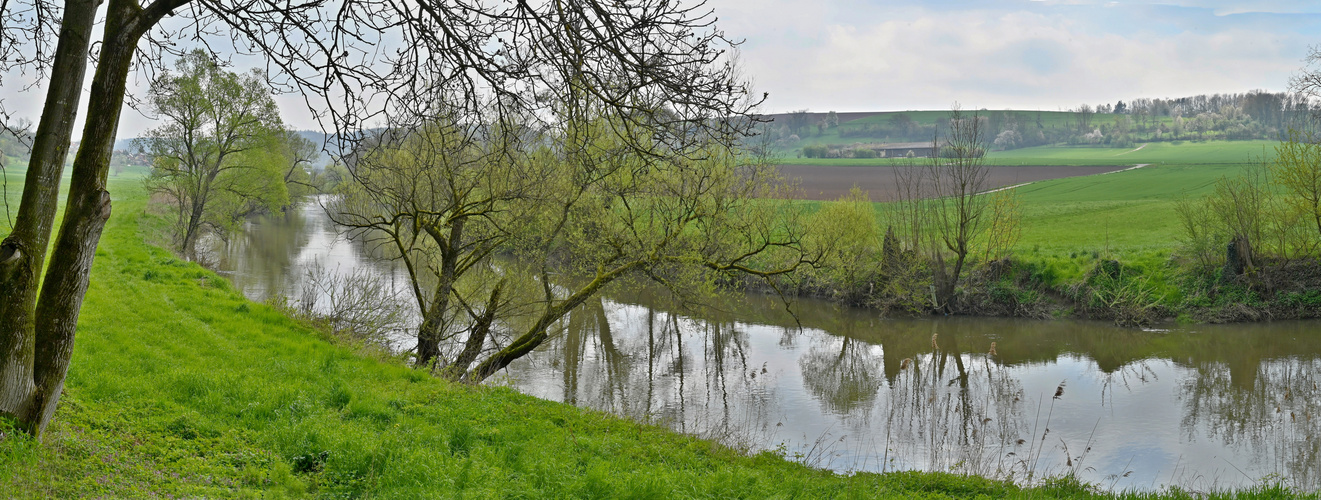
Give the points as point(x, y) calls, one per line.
point(901, 149)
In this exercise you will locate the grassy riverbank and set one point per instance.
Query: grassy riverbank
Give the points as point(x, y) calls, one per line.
point(1070, 228)
point(181, 387)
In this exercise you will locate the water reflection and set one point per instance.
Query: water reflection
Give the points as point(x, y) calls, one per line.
point(276, 257)
point(651, 365)
point(1198, 407)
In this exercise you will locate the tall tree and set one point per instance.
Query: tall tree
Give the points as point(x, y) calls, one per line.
point(958, 179)
point(354, 61)
point(219, 155)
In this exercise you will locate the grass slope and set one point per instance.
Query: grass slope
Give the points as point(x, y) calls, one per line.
point(181, 387)
point(1172, 153)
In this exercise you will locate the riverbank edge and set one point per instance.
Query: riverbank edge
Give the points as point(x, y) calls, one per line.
point(1145, 291)
point(182, 387)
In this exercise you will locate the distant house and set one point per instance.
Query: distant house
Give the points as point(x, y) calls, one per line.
point(902, 149)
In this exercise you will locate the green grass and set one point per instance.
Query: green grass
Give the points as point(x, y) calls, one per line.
point(1122, 210)
point(181, 387)
point(11, 184)
point(1170, 153)
point(1129, 211)
point(1068, 224)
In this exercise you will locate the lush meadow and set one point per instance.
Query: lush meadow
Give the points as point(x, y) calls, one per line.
point(1123, 211)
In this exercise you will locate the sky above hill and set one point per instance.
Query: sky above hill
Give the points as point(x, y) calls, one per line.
point(855, 55)
point(882, 55)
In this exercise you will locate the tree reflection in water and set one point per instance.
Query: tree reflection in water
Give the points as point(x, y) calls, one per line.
point(693, 376)
point(956, 410)
point(1269, 411)
point(844, 390)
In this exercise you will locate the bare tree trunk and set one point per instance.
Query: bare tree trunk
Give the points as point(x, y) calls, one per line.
point(23, 252)
point(188, 247)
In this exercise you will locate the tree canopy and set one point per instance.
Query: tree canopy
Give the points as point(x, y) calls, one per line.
point(220, 155)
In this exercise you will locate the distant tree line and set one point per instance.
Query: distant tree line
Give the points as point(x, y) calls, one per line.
point(1257, 114)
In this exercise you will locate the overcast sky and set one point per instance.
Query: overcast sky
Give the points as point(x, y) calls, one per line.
point(868, 55)
point(879, 55)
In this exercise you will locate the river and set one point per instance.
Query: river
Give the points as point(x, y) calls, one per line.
point(1202, 407)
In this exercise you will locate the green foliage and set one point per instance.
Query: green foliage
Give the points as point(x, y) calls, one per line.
point(187, 389)
point(864, 153)
point(222, 154)
point(815, 151)
point(592, 202)
point(1112, 289)
point(847, 235)
point(1297, 171)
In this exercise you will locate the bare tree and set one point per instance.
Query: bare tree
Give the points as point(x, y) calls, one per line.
point(1084, 114)
point(942, 203)
point(958, 179)
point(797, 121)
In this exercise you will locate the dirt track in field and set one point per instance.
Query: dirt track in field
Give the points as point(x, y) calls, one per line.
point(830, 183)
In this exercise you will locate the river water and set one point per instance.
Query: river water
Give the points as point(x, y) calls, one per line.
point(1201, 407)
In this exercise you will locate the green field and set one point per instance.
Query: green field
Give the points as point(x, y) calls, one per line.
point(1047, 119)
point(1168, 153)
point(1071, 223)
point(11, 182)
point(1126, 211)
point(1130, 210)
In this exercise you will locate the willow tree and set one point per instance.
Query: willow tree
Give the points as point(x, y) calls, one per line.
point(574, 208)
point(219, 156)
point(355, 61)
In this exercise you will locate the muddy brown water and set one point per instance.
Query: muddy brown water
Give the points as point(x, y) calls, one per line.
point(831, 183)
point(1200, 407)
